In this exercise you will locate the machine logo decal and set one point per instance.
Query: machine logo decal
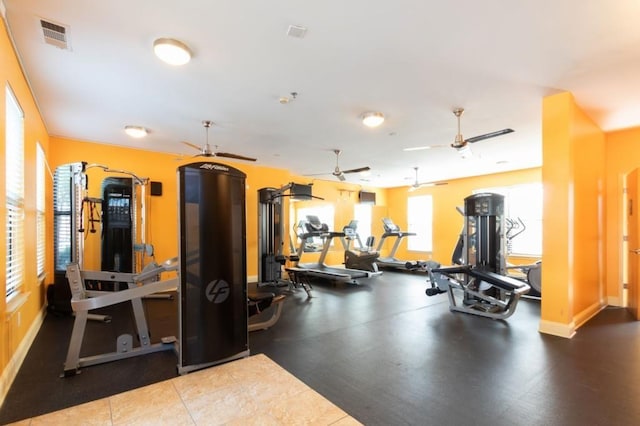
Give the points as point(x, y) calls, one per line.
point(217, 291)
point(210, 166)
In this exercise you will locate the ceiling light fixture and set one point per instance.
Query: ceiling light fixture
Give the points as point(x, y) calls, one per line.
point(465, 151)
point(372, 119)
point(172, 51)
point(136, 131)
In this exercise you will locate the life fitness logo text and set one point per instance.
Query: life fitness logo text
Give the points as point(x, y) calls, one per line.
point(210, 166)
point(217, 291)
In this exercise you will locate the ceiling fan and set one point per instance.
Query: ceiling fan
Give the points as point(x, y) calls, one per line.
point(339, 173)
point(460, 142)
point(417, 184)
point(205, 151)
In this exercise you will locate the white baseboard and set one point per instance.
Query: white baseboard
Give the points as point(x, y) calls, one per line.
point(11, 370)
point(252, 279)
point(614, 301)
point(569, 330)
point(582, 317)
point(557, 329)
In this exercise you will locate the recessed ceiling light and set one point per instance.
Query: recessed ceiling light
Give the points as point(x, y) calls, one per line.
point(372, 119)
point(171, 51)
point(136, 131)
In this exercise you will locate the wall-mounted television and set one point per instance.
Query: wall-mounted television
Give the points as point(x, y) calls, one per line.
point(367, 197)
point(300, 191)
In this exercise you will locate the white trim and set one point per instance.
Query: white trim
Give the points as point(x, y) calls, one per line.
point(581, 318)
point(252, 279)
point(557, 329)
point(614, 301)
point(13, 366)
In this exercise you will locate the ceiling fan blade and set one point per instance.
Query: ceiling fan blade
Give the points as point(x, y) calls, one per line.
point(235, 156)
point(361, 169)
point(433, 183)
point(194, 146)
point(341, 177)
point(489, 135)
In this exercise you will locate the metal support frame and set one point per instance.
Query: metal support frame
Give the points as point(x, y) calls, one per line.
point(466, 280)
point(82, 301)
point(276, 311)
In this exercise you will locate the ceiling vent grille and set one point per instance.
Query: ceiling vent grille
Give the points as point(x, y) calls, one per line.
point(296, 31)
point(55, 34)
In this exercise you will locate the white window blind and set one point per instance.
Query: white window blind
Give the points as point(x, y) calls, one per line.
point(40, 210)
point(14, 172)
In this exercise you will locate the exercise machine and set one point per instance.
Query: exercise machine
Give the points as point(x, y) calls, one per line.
point(479, 285)
point(314, 228)
point(391, 230)
point(271, 259)
point(211, 279)
point(364, 257)
point(529, 273)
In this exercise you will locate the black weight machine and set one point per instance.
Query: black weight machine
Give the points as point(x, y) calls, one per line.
point(479, 284)
point(271, 257)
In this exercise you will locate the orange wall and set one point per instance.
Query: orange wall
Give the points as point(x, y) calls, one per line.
point(15, 325)
point(447, 222)
point(573, 215)
point(622, 157)
point(162, 210)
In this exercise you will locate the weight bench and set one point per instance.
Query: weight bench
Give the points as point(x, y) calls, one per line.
point(485, 293)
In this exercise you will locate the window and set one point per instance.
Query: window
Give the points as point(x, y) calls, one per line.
point(419, 217)
point(325, 214)
point(523, 213)
point(14, 172)
point(362, 213)
point(40, 211)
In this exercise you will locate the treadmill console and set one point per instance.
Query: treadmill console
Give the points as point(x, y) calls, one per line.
point(389, 226)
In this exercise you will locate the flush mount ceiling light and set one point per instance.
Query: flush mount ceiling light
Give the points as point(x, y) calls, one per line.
point(136, 131)
point(372, 119)
point(171, 51)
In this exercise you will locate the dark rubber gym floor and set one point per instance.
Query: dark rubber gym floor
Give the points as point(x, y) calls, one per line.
point(387, 355)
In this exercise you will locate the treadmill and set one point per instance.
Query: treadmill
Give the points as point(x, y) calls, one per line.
point(392, 230)
point(335, 273)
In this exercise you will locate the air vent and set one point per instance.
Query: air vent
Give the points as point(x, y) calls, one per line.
point(55, 34)
point(296, 31)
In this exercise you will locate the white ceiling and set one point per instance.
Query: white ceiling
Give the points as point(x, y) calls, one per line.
point(414, 61)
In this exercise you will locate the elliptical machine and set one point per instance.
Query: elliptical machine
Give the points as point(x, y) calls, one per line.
point(480, 278)
point(365, 258)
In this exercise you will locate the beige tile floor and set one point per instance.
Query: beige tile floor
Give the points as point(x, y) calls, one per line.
point(249, 391)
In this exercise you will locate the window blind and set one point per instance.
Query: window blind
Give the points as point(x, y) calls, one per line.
point(14, 171)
